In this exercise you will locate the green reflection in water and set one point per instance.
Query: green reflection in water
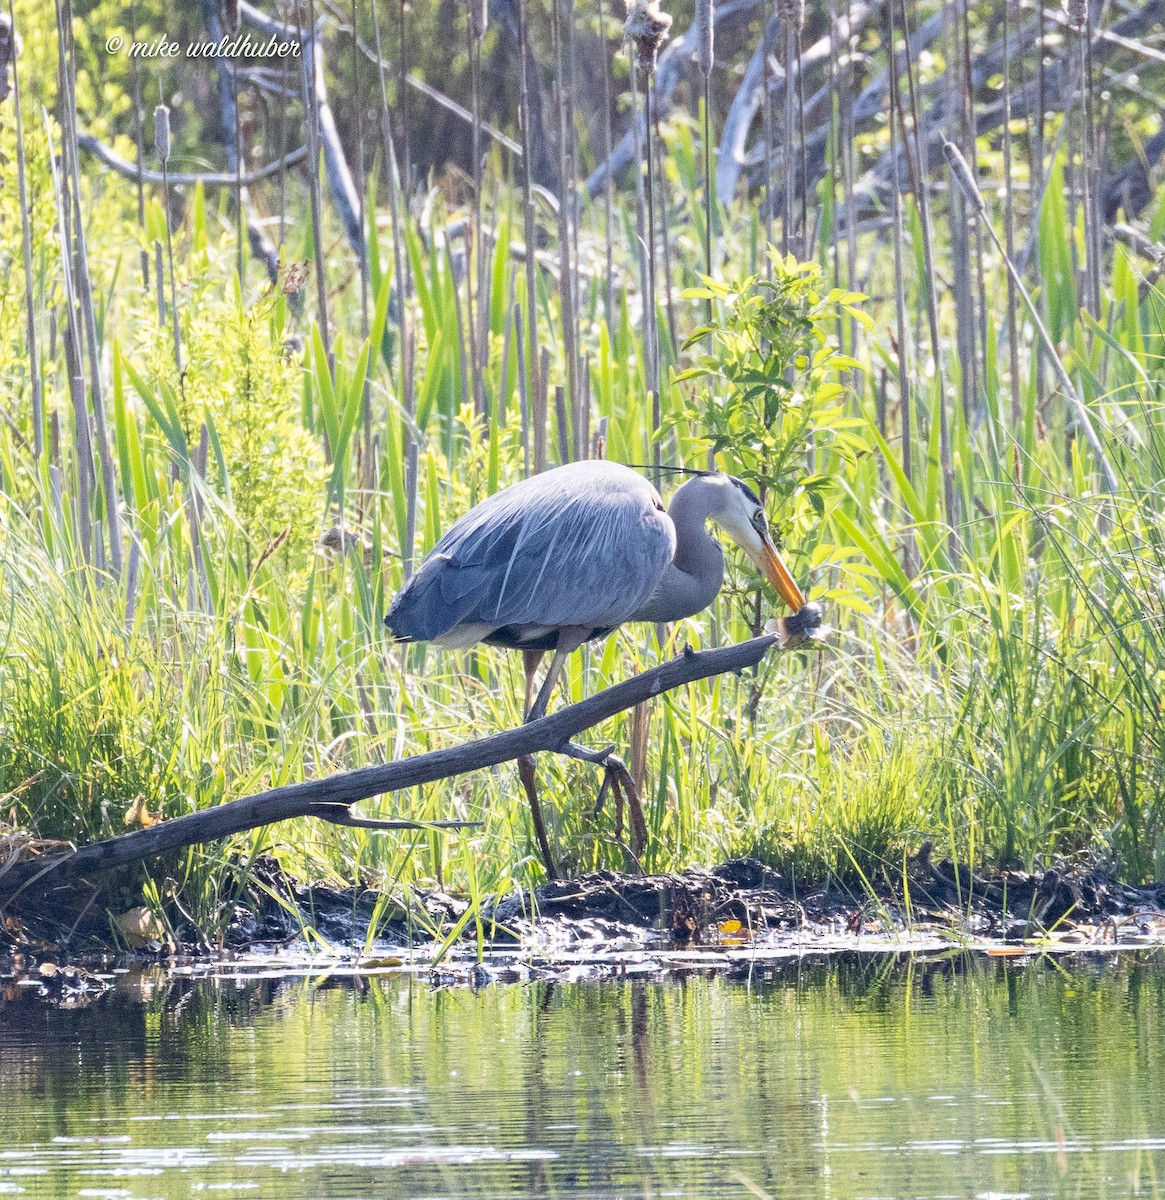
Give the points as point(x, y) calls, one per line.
point(852, 1076)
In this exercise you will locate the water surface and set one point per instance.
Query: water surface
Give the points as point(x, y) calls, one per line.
point(841, 1076)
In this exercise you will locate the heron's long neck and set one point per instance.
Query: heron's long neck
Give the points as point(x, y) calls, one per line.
point(696, 572)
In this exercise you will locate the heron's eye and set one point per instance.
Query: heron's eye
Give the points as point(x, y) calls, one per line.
point(758, 519)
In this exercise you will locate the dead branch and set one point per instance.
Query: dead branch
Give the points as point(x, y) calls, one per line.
point(123, 166)
point(331, 799)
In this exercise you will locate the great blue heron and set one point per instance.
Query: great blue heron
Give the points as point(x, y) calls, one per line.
point(571, 554)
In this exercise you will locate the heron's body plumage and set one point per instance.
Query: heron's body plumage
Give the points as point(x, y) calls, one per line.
point(584, 546)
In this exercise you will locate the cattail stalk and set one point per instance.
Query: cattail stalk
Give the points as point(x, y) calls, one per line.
point(791, 14)
point(26, 251)
point(646, 28)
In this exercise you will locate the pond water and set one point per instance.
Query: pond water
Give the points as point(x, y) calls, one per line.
point(852, 1075)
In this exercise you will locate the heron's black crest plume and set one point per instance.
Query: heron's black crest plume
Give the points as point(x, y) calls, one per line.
point(670, 470)
point(745, 489)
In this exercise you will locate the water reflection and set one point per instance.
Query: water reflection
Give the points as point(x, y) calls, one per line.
point(841, 1076)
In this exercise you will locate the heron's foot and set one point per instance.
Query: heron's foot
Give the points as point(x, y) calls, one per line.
point(617, 779)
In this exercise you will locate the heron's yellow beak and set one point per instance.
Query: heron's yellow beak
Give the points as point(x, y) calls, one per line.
point(778, 575)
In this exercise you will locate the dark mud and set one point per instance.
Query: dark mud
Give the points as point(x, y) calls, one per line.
point(741, 905)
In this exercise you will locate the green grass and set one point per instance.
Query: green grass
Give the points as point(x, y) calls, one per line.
point(992, 682)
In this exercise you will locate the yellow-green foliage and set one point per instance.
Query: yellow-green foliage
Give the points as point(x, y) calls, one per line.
point(249, 384)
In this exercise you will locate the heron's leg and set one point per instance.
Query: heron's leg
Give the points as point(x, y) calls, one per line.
point(530, 660)
point(569, 640)
point(530, 783)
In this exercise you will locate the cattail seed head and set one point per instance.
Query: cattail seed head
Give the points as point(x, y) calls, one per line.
point(963, 176)
point(646, 25)
point(791, 12)
point(230, 14)
point(479, 17)
point(704, 26)
point(162, 132)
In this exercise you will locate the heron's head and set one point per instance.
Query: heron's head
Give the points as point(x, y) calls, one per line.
point(741, 515)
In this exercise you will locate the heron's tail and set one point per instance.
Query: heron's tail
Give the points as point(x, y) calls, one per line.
point(421, 612)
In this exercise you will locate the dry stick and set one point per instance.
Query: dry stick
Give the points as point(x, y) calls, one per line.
point(1088, 171)
point(539, 411)
point(523, 393)
point(575, 221)
point(650, 298)
point(362, 260)
point(967, 186)
point(959, 225)
point(646, 28)
point(705, 58)
point(532, 366)
point(1009, 230)
point(788, 11)
point(473, 241)
point(85, 297)
point(402, 267)
point(282, 143)
point(914, 158)
point(26, 250)
point(1037, 172)
point(84, 442)
point(402, 99)
point(899, 283)
point(331, 798)
point(240, 211)
point(847, 171)
point(565, 205)
point(665, 234)
point(139, 142)
point(162, 145)
point(978, 327)
point(833, 164)
point(803, 164)
point(608, 179)
point(308, 93)
point(641, 230)
point(767, 120)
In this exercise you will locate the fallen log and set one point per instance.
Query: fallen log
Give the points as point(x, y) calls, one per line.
point(331, 799)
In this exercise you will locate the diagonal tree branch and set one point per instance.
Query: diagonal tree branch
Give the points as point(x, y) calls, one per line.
point(331, 799)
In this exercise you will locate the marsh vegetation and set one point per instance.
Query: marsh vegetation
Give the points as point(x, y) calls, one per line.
point(357, 288)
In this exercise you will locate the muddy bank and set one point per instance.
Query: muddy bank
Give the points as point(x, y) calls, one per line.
point(742, 902)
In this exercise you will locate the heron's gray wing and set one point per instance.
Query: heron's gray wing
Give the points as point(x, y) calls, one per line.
point(540, 553)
